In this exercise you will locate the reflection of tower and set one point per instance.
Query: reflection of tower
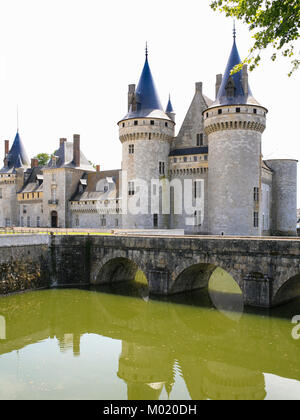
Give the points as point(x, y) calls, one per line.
point(146, 370)
point(70, 342)
point(219, 381)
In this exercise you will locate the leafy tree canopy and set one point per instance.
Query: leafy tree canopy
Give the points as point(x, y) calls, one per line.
point(275, 23)
point(43, 158)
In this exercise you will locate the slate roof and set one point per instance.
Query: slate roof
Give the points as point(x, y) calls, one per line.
point(190, 151)
point(240, 97)
point(17, 157)
point(65, 158)
point(148, 102)
point(34, 182)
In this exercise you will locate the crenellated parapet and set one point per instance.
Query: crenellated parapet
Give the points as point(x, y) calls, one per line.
point(235, 118)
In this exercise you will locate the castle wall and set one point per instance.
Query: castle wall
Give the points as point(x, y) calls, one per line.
point(284, 208)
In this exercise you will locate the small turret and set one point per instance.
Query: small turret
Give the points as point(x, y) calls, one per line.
point(169, 110)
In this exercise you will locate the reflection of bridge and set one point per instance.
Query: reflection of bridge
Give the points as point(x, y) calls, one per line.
point(212, 355)
point(267, 270)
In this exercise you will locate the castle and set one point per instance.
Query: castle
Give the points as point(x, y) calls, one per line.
point(209, 179)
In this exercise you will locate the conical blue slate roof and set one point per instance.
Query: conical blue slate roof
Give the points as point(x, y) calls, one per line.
point(17, 156)
point(239, 97)
point(169, 108)
point(148, 104)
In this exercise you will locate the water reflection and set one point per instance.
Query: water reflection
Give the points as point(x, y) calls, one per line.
point(217, 356)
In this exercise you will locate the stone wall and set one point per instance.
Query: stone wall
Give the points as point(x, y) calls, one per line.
point(24, 263)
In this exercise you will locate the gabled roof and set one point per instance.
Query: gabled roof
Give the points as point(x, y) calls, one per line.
point(34, 181)
point(65, 159)
point(233, 82)
point(148, 104)
point(17, 157)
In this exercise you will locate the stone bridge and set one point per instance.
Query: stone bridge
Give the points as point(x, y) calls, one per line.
point(266, 270)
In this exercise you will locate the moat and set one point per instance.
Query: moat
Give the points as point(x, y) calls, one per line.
point(120, 344)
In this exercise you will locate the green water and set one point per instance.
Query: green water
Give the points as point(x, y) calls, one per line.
point(92, 344)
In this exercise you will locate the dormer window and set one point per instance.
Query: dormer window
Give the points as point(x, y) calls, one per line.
point(230, 88)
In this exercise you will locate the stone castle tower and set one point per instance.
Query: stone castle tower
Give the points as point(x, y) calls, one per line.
point(146, 133)
point(234, 124)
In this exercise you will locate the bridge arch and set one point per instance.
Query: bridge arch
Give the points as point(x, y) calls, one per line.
point(287, 291)
point(116, 268)
point(197, 276)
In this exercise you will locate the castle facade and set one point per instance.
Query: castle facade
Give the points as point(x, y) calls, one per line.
point(210, 178)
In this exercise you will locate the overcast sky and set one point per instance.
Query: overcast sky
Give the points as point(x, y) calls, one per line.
point(67, 65)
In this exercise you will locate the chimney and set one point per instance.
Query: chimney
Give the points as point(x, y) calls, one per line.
point(219, 80)
point(62, 141)
point(98, 168)
point(6, 147)
point(34, 163)
point(76, 150)
point(199, 86)
point(245, 80)
point(131, 95)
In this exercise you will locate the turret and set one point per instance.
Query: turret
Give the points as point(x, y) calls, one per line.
point(234, 124)
point(146, 132)
point(170, 111)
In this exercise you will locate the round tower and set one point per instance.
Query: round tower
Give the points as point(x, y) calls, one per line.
point(145, 133)
point(234, 124)
point(284, 196)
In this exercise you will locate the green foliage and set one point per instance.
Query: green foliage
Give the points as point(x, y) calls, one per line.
point(43, 158)
point(275, 23)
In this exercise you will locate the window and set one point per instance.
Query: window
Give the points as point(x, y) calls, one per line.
point(205, 157)
point(175, 160)
point(254, 111)
point(77, 221)
point(195, 158)
point(166, 124)
point(123, 125)
point(130, 188)
point(22, 221)
point(161, 168)
point(0, 192)
point(53, 195)
point(131, 149)
point(238, 110)
point(198, 218)
point(256, 219)
point(117, 222)
point(152, 122)
point(24, 210)
point(28, 221)
point(150, 136)
point(155, 220)
point(220, 111)
point(200, 139)
point(7, 222)
point(103, 222)
point(207, 115)
point(38, 222)
point(197, 189)
point(185, 159)
point(136, 123)
point(256, 195)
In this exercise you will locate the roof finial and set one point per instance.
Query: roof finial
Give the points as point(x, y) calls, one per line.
point(234, 30)
point(146, 49)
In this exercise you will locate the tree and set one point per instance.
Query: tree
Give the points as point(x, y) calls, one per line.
point(43, 158)
point(274, 22)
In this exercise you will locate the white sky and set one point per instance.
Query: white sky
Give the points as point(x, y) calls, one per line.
point(68, 63)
